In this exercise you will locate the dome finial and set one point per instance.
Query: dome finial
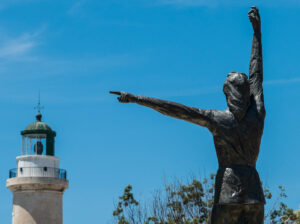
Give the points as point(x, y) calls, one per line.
point(38, 117)
point(39, 108)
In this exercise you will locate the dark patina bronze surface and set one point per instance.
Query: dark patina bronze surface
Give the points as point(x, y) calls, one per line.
point(237, 133)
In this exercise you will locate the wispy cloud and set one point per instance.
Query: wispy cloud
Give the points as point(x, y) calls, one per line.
point(19, 46)
point(16, 47)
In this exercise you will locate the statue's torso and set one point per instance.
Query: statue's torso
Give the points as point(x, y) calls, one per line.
point(238, 142)
point(237, 146)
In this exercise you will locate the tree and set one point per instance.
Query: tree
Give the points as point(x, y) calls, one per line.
point(189, 203)
point(279, 212)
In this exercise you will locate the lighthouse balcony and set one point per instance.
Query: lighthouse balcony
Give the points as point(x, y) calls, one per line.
point(38, 172)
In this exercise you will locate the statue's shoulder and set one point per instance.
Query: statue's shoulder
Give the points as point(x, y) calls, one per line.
point(223, 115)
point(222, 118)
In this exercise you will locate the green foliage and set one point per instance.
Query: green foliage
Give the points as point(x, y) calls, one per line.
point(189, 203)
point(126, 202)
point(280, 213)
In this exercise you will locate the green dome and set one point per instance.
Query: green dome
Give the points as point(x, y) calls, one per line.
point(38, 127)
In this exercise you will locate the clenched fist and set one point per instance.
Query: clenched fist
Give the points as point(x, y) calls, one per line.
point(254, 18)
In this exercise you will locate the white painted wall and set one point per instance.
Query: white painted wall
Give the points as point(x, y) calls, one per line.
point(33, 166)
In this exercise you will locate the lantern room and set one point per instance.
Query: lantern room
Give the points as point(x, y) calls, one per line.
point(38, 138)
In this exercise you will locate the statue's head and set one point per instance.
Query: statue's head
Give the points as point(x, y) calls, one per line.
point(237, 92)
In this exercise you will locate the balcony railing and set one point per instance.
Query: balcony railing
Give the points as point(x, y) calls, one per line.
point(38, 172)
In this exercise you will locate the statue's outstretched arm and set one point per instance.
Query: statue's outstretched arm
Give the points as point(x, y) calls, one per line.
point(176, 110)
point(256, 61)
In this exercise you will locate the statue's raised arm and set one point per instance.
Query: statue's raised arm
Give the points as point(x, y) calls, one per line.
point(172, 109)
point(256, 62)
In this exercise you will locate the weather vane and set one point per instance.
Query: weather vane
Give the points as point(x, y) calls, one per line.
point(39, 107)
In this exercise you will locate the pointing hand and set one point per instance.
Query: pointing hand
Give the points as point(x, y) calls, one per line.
point(124, 97)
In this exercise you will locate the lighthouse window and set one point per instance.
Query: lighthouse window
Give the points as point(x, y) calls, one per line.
point(38, 148)
point(34, 144)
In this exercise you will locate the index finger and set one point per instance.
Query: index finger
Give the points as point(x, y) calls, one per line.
point(115, 92)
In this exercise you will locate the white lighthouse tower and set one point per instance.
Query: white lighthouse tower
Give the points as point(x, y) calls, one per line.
point(37, 183)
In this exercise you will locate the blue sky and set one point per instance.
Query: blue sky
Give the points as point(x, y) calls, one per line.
point(74, 52)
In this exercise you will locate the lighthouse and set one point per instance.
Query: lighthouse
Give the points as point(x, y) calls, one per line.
point(37, 183)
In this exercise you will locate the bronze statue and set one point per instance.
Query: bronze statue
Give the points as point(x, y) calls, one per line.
point(237, 133)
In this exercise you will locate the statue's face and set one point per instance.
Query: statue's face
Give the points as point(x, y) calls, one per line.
point(237, 92)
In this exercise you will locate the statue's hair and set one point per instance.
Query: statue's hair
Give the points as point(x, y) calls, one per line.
point(237, 91)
